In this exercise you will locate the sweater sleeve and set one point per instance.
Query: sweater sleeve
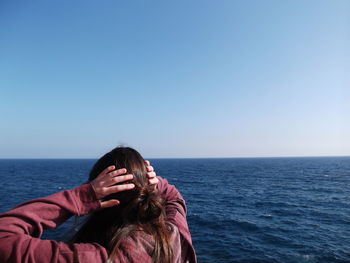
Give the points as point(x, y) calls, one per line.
point(22, 227)
point(176, 214)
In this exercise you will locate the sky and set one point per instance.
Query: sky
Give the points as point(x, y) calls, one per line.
point(174, 79)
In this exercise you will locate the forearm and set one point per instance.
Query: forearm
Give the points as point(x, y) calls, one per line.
point(22, 226)
point(176, 210)
point(174, 202)
point(35, 216)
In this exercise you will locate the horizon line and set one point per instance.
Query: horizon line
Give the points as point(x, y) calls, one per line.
point(233, 157)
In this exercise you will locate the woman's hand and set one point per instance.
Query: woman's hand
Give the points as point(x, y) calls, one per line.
point(151, 175)
point(104, 184)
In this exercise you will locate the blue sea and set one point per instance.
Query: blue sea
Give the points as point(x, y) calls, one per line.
point(239, 210)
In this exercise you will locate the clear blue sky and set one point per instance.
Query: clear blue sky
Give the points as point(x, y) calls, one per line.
point(174, 78)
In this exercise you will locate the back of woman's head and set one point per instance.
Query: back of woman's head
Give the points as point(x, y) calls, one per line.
point(140, 209)
point(141, 204)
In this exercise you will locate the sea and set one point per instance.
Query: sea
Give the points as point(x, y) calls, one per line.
point(242, 210)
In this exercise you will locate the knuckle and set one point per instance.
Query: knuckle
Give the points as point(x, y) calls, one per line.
point(120, 171)
point(118, 188)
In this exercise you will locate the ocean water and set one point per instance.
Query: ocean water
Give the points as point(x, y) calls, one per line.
point(239, 210)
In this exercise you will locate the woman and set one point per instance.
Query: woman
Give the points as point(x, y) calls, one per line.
point(132, 220)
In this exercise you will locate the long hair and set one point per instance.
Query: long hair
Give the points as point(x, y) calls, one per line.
point(140, 209)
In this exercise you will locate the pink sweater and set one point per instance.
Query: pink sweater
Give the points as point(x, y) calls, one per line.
point(22, 227)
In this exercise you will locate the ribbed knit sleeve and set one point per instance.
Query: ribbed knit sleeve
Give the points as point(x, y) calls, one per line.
point(176, 214)
point(22, 227)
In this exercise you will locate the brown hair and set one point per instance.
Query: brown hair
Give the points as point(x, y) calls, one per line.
point(140, 209)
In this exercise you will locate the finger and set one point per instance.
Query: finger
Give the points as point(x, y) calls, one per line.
point(153, 181)
point(117, 172)
point(147, 163)
point(119, 179)
point(118, 188)
point(107, 170)
point(151, 175)
point(109, 203)
point(149, 168)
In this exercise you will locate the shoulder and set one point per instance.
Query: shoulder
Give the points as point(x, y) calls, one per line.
point(136, 248)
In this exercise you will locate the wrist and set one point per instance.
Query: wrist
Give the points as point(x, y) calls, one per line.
point(86, 199)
